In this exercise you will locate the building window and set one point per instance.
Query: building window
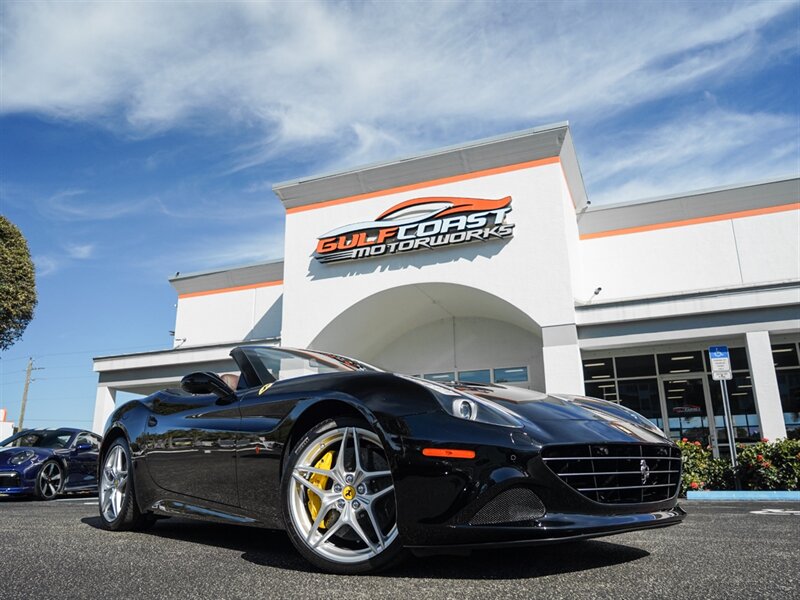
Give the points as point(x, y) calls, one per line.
point(681, 362)
point(640, 381)
point(641, 395)
point(598, 368)
point(475, 376)
point(787, 370)
point(441, 376)
point(607, 390)
point(743, 409)
point(636, 366)
point(511, 375)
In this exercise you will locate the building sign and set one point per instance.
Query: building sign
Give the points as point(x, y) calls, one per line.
point(418, 224)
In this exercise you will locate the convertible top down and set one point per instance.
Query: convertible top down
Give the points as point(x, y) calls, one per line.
point(359, 465)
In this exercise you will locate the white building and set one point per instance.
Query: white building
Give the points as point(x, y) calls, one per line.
point(513, 277)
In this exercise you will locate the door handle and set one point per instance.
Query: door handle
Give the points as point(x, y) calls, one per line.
point(152, 422)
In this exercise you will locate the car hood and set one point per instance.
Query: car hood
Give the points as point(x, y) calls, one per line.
point(566, 418)
point(6, 454)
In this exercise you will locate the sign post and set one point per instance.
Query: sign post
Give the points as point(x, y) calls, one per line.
point(721, 371)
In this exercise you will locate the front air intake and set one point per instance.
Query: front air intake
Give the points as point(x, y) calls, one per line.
point(513, 506)
point(618, 473)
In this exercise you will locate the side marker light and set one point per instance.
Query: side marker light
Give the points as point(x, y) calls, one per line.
point(448, 453)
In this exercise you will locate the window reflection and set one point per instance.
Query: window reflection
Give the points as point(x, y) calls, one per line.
point(475, 376)
point(743, 409)
point(511, 375)
point(681, 362)
point(449, 376)
point(641, 395)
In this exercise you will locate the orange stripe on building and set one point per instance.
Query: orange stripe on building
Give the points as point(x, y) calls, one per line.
point(710, 219)
point(237, 288)
point(416, 186)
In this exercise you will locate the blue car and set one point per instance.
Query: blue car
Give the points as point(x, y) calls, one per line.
point(49, 462)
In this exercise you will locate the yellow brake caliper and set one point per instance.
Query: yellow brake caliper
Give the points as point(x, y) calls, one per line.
point(319, 481)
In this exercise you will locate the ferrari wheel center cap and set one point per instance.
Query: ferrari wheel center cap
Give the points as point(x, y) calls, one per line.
point(349, 492)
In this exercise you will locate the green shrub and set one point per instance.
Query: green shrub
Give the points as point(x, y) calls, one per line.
point(770, 465)
point(762, 466)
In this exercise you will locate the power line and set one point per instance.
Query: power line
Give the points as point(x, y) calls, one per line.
point(89, 351)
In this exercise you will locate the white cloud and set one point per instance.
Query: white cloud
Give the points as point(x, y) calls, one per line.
point(694, 151)
point(311, 71)
point(78, 205)
point(235, 249)
point(46, 265)
point(79, 251)
point(351, 83)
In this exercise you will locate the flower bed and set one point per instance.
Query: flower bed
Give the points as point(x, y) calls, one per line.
point(762, 466)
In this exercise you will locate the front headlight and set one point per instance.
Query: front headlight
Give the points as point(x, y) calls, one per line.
point(20, 458)
point(471, 408)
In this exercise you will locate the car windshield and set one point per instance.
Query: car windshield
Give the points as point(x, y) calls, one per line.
point(38, 439)
point(272, 364)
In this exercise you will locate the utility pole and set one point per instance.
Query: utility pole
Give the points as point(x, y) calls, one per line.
point(25, 393)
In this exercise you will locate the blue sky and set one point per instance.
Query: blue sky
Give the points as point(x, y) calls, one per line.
point(141, 139)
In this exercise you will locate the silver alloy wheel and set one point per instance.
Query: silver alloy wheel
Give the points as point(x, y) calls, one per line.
point(50, 480)
point(352, 503)
point(114, 483)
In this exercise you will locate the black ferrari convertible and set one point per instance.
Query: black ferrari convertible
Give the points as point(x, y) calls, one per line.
point(360, 465)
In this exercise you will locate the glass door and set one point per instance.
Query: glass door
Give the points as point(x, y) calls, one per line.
point(687, 406)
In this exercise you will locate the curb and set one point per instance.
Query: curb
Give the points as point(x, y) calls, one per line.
point(745, 496)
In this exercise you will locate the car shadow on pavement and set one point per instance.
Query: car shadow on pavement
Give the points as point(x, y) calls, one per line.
point(271, 548)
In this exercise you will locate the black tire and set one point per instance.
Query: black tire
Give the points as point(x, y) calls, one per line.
point(128, 517)
point(50, 480)
point(390, 554)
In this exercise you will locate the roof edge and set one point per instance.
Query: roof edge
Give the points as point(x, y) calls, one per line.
point(428, 154)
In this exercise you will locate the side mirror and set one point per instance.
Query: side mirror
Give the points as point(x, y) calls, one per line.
point(206, 383)
point(83, 447)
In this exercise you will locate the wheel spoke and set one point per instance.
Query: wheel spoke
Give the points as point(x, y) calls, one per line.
point(340, 466)
point(381, 493)
point(302, 480)
point(323, 511)
point(56, 477)
point(119, 458)
point(336, 527)
point(117, 501)
point(315, 471)
point(106, 504)
point(374, 522)
point(356, 449)
point(356, 527)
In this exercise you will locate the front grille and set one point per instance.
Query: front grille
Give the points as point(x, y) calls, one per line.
point(512, 506)
point(617, 473)
point(9, 479)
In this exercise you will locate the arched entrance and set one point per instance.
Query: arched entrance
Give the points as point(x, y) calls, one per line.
point(440, 328)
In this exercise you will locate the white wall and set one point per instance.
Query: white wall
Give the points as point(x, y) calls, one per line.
point(720, 254)
point(229, 316)
point(463, 344)
point(769, 246)
point(531, 271)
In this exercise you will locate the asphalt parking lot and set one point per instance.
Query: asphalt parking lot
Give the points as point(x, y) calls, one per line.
point(722, 550)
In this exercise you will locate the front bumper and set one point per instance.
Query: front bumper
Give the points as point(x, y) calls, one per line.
point(439, 499)
point(551, 529)
point(14, 483)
